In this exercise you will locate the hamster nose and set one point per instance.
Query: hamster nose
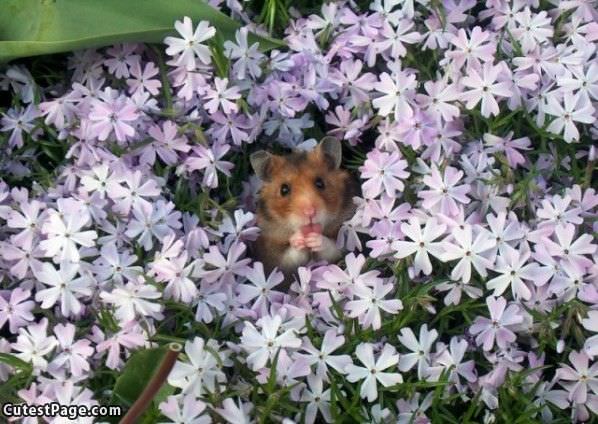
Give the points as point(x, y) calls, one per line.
point(309, 211)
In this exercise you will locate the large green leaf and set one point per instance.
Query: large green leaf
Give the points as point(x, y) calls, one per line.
point(36, 27)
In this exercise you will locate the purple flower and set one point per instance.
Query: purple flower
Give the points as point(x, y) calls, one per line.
point(498, 326)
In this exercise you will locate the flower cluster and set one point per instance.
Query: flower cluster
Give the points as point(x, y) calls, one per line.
point(127, 217)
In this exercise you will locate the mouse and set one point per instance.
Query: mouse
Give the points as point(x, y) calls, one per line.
point(304, 198)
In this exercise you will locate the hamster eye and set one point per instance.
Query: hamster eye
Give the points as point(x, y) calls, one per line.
point(319, 183)
point(285, 189)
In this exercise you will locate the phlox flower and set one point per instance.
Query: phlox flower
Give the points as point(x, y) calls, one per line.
point(485, 88)
point(318, 398)
point(224, 269)
point(69, 395)
point(134, 300)
point(246, 58)
point(113, 114)
point(591, 324)
point(559, 211)
point(260, 288)
point(397, 92)
point(235, 412)
point(421, 243)
point(177, 273)
point(370, 300)
point(532, 29)
point(201, 372)
point(19, 122)
point(166, 144)
point(412, 412)
point(451, 358)
point(63, 287)
point(120, 58)
point(222, 97)
point(437, 100)
point(323, 357)
point(263, 345)
point(569, 250)
point(209, 161)
point(355, 82)
point(210, 299)
point(142, 79)
point(579, 379)
point(383, 172)
point(112, 266)
point(469, 252)
point(16, 310)
point(137, 189)
point(373, 370)
point(444, 193)
point(184, 409)
point(27, 256)
point(343, 280)
point(513, 266)
point(33, 344)
point(153, 220)
point(329, 18)
point(392, 38)
point(27, 218)
point(189, 48)
point(479, 47)
point(420, 350)
point(498, 326)
point(586, 83)
point(509, 147)
point(129, 337)
point(73, 354)
point(573, 108)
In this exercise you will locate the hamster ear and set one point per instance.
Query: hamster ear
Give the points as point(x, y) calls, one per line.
point(260, 162)
point(332, 150)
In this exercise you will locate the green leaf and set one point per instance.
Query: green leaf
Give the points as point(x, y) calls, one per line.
point(137, 372)
point(36, 27)
point(15, 362)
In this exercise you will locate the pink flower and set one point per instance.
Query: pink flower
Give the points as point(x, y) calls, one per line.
point(569, 250)
point(444, 192)
point(509, 147)
point(497, 327)
point(470, 51)
point(580, 377)
point(142, 80)
point(209, 160)
point(17, 310)
point(397, 92)
point(383, 172)
point(33, 345)
point(113, 114)
point(73, 354)
point(574, 108)
point(484, 88)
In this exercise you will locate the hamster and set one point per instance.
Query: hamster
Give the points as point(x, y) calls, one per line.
point(303, 200)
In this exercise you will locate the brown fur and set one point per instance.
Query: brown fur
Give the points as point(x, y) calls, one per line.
point(277, 215)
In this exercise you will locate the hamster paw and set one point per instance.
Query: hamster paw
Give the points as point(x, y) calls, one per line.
point(314, 241)
point(297, 240)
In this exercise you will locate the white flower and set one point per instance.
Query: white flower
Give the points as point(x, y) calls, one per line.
point(203, 372)
point(63, 286)
point(33, 344)
point(189, 47)
point(134, 300)
point(263, 346)
point(576, 108)
point(371, 300)
point(421, 244)
point(372, 372)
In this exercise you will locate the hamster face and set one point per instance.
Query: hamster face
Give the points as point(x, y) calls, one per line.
point(302, 188)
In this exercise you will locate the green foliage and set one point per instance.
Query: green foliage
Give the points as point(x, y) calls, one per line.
point(36, 27)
